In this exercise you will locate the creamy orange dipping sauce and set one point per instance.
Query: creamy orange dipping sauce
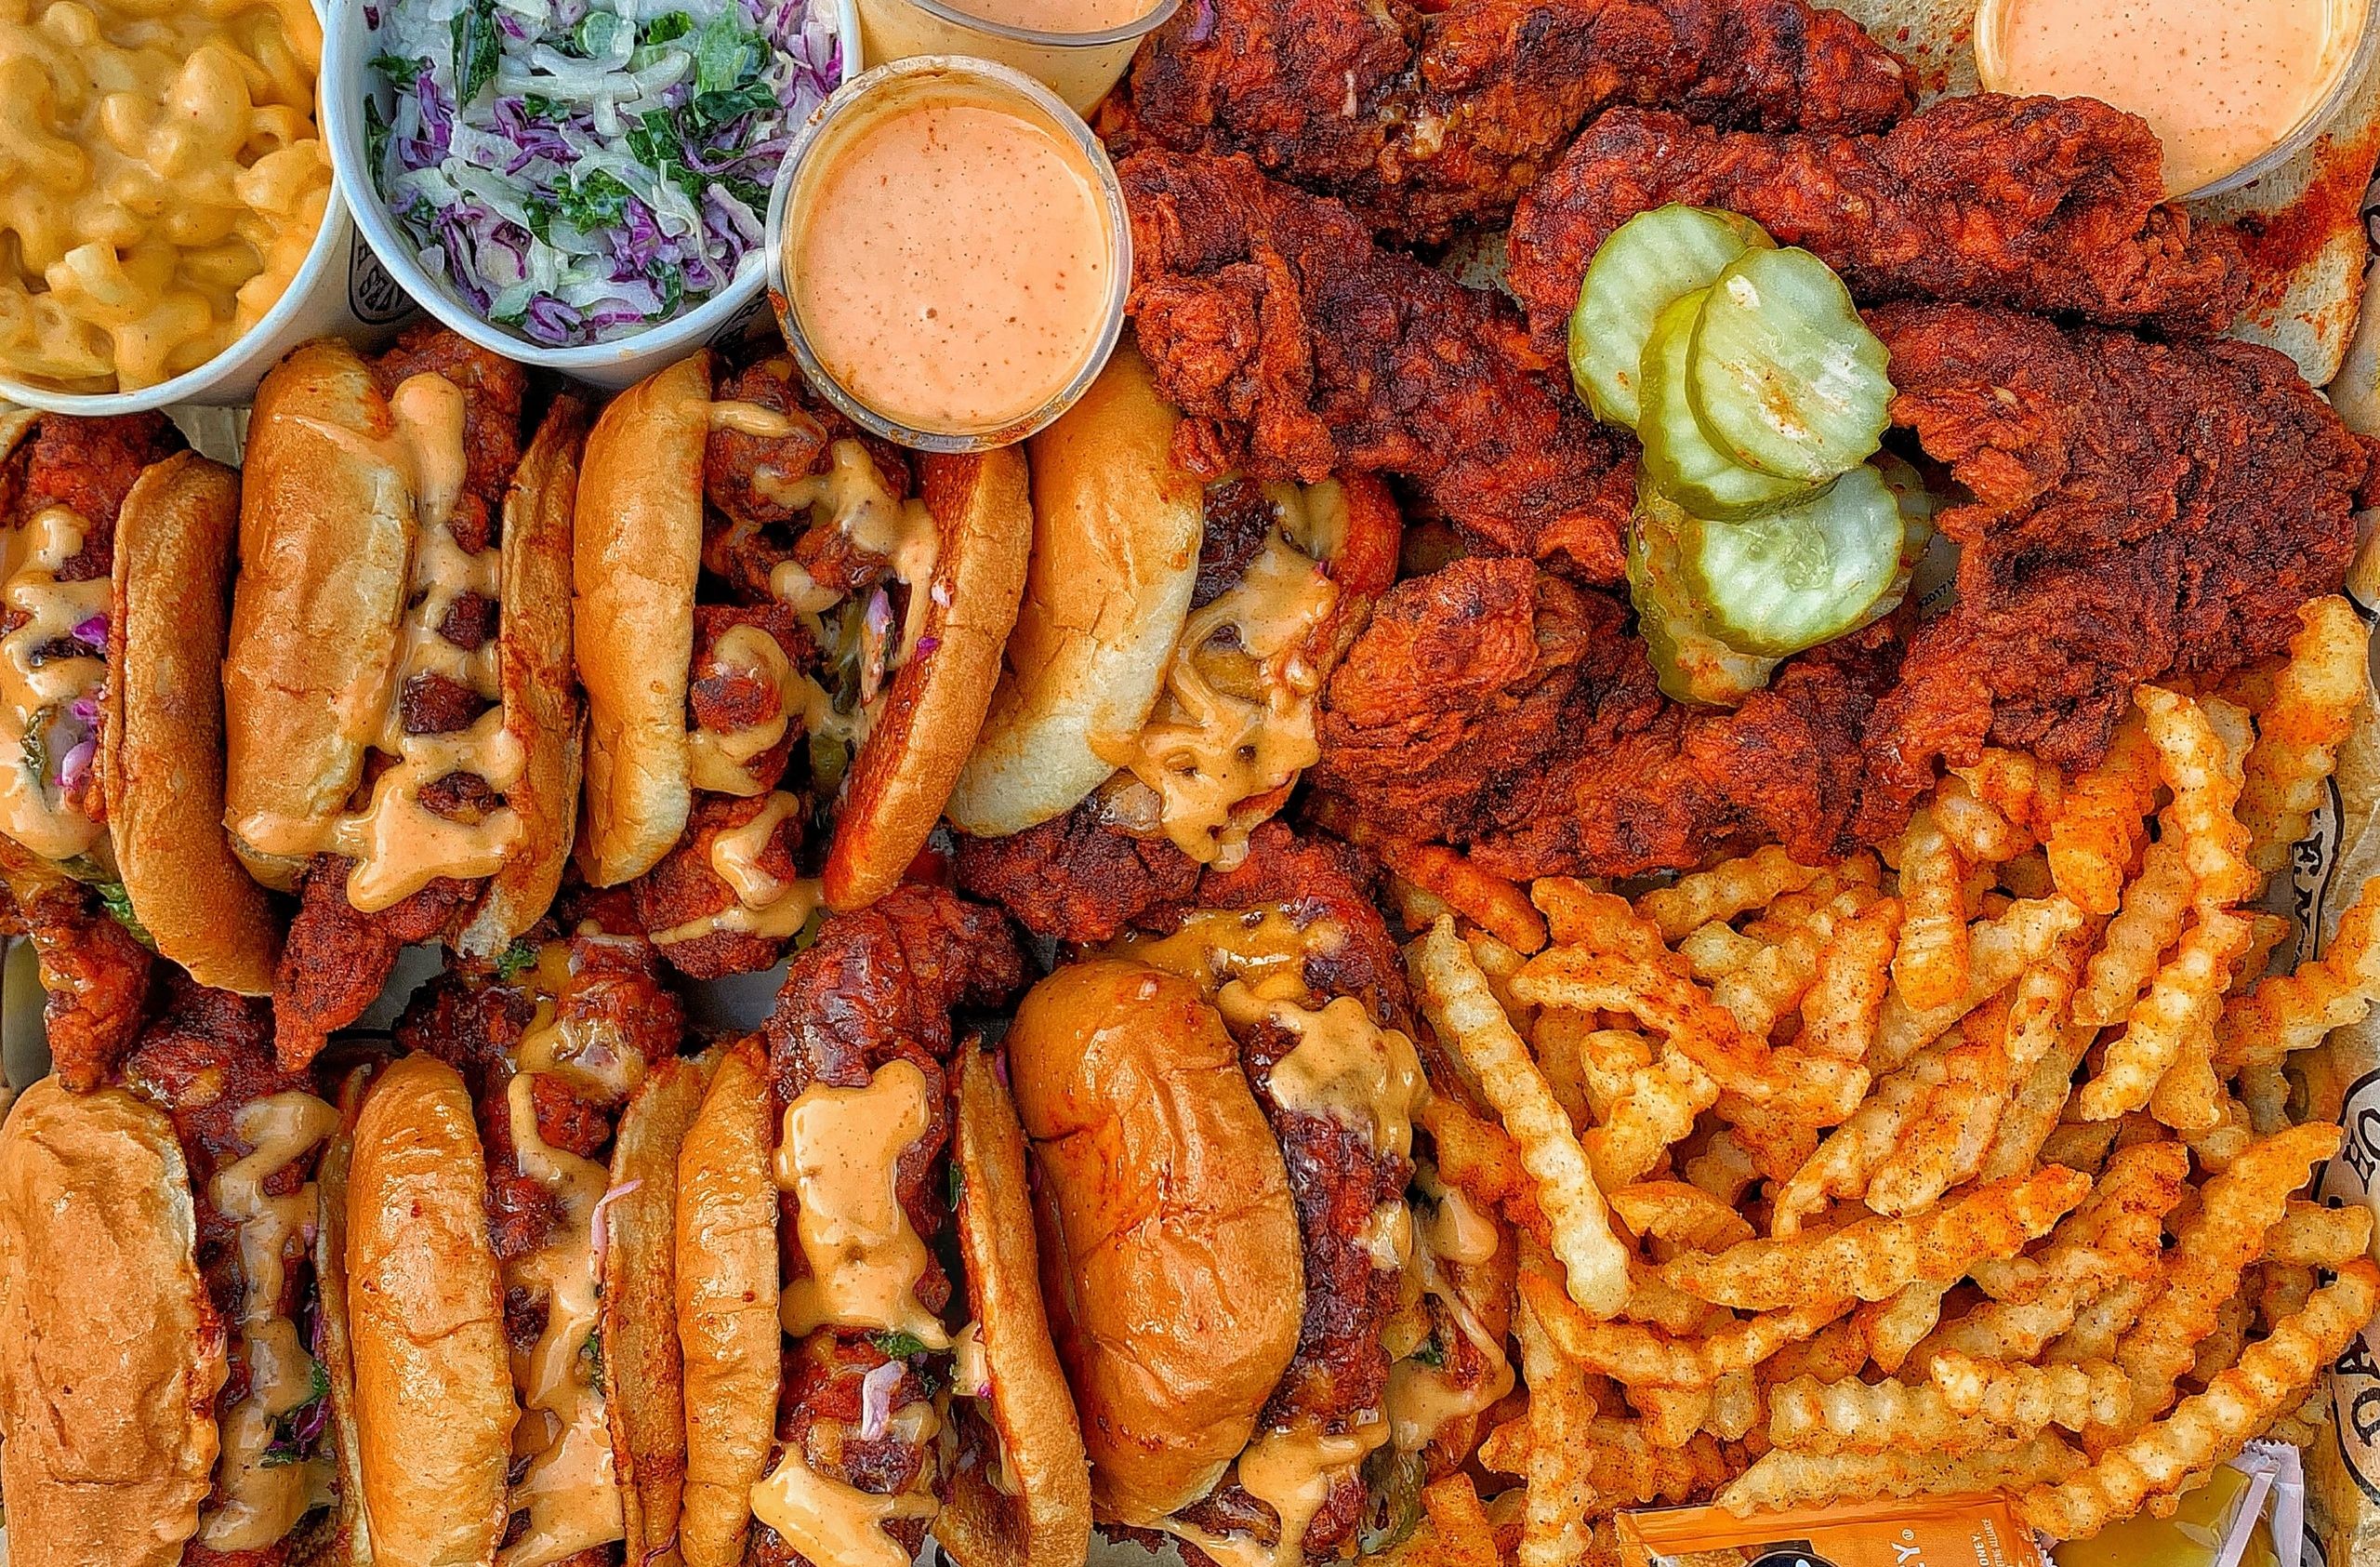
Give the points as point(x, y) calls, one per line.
point(1057, 16)
point(2221, 82)
point(951, 262)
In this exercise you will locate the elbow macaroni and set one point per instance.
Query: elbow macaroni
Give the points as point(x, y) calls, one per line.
point(161, 180)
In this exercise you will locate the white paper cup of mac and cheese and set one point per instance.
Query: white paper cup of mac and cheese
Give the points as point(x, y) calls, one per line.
point(585, 201)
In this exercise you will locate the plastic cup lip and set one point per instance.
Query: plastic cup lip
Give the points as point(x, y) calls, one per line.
point(341, 108)
point(1001, 81)
point(2350, 63)
point(1124, 33)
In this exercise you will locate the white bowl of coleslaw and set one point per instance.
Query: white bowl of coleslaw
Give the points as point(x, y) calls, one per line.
point(569, 184)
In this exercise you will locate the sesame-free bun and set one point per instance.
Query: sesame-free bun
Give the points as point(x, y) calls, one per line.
point(1117, 529)
point(433, 1380)
point(161, 750)
point(110, 1355)
point(1169, 1250)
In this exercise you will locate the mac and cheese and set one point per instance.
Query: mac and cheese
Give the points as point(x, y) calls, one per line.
point(161, 180)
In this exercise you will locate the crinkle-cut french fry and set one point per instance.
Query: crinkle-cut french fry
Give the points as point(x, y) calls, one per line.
point(1580, 915)
point(1659, 993)
point(1780, 974)
point(1626, 1466)
point(1723, 1168)
point(1856, 1416)
point(1978, 830)
point(1835, 1352)
point(1894, 1328)
point(1657, 1303)
point(1464, 1012)
point(2103, 820)
point(2099, 1327)
point(2295, 1011)
point(1561, 1496)
point(2304, 1426)
point(2216, 1146)
point(1779, 918)
point(1638, 1356)
point(1499, 961)
point(1475, 1157)
point(1417, 907)
point(1784, 1478)
point(2219, 1350)
point(2270, 1380)
point(1679, 1215)
point(1845, 1001)
point(2177, 1015)
point(2001, 949)
point(1930, 968)
point(2213, 1246)
point(1876, 1257)
point(1844, 1163)
point(2031, 1114)
point(1718, 949)
point(1732, 887)
point(2266, 935)
point(2312, 1232)
point(2192, 1100)
point(2020, 1398)
point(1657, 1110)
point(1485, 899)
point(2195, 763)
point(2298, 733)
point(2028, 876)
point(2081, 1145)
point(2024, 789)
point(1779, 1134)
point(1670, 1417)
point(1458, 1532)
point(2156, 906)
point(2264, 1090)
point(2282, 1290)
point(1736, 1405)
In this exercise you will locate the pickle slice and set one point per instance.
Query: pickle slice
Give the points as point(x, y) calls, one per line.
point(1691, 664)
point(1647, 263)
point(1784, 376)
point(1679, 458)
point(1793, 578)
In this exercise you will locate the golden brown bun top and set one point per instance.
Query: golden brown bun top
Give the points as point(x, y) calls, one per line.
point(161, 756)
point(326, 534)
point(1170, 1252)
point(1117, 529)
point(637, 554)
point(904, 773)
point(433, 1380)
point(109, 1355)
point(1042, 1517)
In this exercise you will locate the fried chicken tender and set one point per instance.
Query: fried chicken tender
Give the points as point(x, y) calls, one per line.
point(1421, 119)
point(1495, 706)
point(2139, 509)
point(2046, 204)
point(1301, 349)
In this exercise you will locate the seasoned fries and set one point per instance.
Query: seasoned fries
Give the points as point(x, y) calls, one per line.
point(1974, 1172)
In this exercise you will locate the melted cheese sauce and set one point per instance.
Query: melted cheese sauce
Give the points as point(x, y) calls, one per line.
point(765, 904)
point(1236, 717)
point(261, 1502)
point(1264, 949)
point(839, 1156)
point(1292, 1472)
point(569, 1489)
point(1422, 1399)
point(36, 686)
point(400, 845)
point(827, 1521)
point(853, 496)
point(718, 759)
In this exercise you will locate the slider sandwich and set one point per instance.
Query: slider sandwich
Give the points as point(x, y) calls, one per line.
point(403, 728)
point(114, 589)
point(788, 632)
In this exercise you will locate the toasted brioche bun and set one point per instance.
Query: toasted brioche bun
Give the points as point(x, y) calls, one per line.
point(110, 1355)
point(635, 555)
point(1115, 533)
point(335, 1346)
point(727, 1282)
point(327, 533)
point(1046, 1522)
point(161, 752)
point(540, 698)
point(905, 771)
point(1169, 1249)
point(433, 1379)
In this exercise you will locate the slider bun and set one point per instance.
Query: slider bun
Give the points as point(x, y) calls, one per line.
point(162, 757)
point(1170, 1251)
point(1046, 1522)
point(433, 1379)
point(903, 776)
point(111, 1356)
point(326, 548)
point(637, 553)
point(537, 681)
point(1116, 530)
point(727, 1306)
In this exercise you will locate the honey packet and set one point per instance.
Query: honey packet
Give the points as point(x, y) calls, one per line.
point(1977, 1531)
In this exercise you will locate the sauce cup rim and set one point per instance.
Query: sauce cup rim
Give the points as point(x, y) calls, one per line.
point(1122, 34)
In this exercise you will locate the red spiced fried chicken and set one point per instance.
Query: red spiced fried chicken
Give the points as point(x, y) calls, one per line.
point(2044, 204)
point(1423, 117)
point(1300, 349)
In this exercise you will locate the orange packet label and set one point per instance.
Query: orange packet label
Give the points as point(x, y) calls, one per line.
point(1976, 1531)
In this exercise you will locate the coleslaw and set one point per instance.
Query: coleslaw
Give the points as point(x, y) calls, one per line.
point(577, 170)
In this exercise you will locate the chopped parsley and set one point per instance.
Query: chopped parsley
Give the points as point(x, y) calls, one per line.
point(521, 954)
